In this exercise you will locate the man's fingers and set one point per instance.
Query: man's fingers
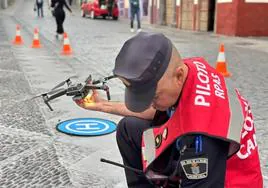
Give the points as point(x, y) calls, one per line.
point(85, 102)
point(79, 101)
point(95, 93)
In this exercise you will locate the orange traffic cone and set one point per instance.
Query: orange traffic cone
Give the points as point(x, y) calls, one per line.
point(36, 42)
point(66, 50)
point(18, 39)
point(221, 65)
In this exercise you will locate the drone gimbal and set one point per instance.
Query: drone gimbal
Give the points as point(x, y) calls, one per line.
point(78, 91)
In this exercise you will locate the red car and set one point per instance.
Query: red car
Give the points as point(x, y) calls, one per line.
point(103, 8)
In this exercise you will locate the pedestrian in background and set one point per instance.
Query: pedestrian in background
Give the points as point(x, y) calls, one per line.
point(135, 10)
point(59, 14)
point(38, 6)
point(110, 5)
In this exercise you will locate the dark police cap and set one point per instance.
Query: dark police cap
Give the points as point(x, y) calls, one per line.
point(140, 64)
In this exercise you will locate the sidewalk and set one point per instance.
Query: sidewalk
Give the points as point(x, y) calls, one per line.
point(26, 148)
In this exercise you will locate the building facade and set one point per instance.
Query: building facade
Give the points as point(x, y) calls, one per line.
point(228, 17)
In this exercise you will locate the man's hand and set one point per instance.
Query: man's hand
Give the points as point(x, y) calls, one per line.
point(91, 102)
point(96, 103)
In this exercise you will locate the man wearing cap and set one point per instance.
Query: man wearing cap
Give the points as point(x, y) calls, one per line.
point(178, 128)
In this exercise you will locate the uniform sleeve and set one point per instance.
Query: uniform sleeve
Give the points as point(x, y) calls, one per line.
point(204, 164)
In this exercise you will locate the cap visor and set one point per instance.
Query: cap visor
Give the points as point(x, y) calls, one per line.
point(139, 101)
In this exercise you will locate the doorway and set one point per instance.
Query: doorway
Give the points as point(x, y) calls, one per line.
point(211, 14)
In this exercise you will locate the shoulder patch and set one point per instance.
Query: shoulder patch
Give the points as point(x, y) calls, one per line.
point(196, 168)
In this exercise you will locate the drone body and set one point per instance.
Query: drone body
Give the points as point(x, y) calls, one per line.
point(78, 91)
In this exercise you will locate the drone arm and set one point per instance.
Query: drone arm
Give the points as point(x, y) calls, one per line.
point(56, 95)
point(103, 80)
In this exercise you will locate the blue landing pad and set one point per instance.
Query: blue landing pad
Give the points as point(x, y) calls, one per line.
point(86, 127)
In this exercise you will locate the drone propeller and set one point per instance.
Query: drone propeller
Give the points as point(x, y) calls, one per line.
point(68, 80)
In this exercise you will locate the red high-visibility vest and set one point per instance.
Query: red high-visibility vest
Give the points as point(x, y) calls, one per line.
point(243, 168)
point(207, 106)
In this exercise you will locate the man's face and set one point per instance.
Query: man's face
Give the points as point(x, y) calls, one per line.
point(169, 88)
point(167, 93)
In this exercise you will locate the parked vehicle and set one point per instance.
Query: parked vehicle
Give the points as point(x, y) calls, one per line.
point(100, 8)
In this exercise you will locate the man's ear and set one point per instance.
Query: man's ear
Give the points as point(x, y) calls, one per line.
point(179, 75)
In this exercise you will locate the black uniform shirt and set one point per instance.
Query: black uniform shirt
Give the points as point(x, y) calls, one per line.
point(200, 160)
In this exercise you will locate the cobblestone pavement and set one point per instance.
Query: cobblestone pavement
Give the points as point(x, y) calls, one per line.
point(33, 153)
point(28, 157)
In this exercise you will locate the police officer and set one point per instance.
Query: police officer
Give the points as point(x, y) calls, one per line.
point(172, 128)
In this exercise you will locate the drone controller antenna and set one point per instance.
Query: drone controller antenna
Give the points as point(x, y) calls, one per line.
point(121, 165)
